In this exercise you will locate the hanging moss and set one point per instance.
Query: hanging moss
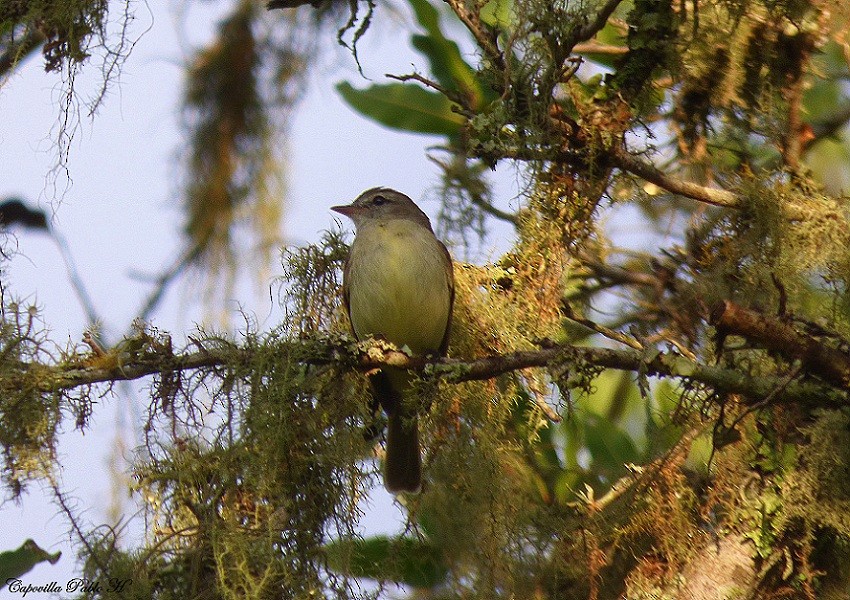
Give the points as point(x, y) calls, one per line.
point(30, 415)
point(69, 27)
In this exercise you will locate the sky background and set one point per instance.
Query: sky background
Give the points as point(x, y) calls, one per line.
point(120, 214)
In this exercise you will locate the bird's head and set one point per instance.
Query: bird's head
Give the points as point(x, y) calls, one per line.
point(382, 204)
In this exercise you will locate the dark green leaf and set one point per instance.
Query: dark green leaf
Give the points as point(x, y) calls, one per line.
point(406, 107)
point(609, 446)
point(15, 563)
point(447, 65)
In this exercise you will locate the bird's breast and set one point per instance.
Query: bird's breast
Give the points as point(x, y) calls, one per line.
point(399, 286)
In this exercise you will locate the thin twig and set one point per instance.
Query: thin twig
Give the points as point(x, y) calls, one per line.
point(486, 41)
point(66, 508)
point(164, 281)
point(491, 210)
point(75, 278)
point(643, 474)
point(601, 329)
point(619, 275)
point(455, 97)
point(479, 200)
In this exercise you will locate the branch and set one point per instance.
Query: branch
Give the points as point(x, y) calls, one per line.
point(164, 280)
point(645, 170)
point(76, 279)
point(16, 51)
point(793, 146)
point(593, 27)
point(829, 363)
point(494, 211)
point(618, 274)
point(599, 48)
point(714, 196)
point(611, 334)
point(486, 39)
point(478, 199)
point(373, 355)
point(462, 105)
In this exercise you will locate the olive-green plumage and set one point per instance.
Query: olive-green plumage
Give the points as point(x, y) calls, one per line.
point(398, 285)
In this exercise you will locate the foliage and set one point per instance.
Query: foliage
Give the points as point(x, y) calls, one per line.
point(712, 464)
point(14, 563)
point(30, 418)
point(68, 27)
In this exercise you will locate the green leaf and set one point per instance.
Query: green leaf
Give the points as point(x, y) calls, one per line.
point(609, 446)
point(405, 107)
point(497, 13)
point(401, 560)
point(610, 35)
point(447, 65)
point(15, 563)
point(427, 16)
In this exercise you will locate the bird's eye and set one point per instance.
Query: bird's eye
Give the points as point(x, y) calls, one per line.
point(379, 200)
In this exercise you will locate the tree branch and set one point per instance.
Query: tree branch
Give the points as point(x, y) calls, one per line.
point(593, 27)
point(599, 48)
point(829, 363)
point(494, 211)
point(16, 51)
point(369, 356)
point(486, 39)
point(164, 280)
point(645, 170)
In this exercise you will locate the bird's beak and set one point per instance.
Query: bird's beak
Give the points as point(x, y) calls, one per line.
point(349, 210)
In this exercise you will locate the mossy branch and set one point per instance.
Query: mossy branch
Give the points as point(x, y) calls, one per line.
point(365, 357)
point(645, 170)
point(14, 52)
point(829, 363)
point(593, 26)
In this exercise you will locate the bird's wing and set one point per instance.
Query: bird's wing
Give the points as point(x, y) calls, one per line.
point(444, 345)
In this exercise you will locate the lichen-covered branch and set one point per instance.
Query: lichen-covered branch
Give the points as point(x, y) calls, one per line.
point(829, 363)
point(375, 355)
point(645, 170)
point(14, 52)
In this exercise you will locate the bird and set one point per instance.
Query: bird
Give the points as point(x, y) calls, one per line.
point(398, 285)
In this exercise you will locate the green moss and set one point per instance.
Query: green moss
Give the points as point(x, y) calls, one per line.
point(70, 26)
point(30, 416)
point(817, 488)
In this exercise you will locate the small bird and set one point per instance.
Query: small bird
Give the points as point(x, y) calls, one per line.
point(398, 285)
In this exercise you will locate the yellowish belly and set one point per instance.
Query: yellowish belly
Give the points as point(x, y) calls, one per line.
point(399, 287)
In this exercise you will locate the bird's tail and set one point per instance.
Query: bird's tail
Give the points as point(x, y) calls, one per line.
point(403, 463)
point(403, 467)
